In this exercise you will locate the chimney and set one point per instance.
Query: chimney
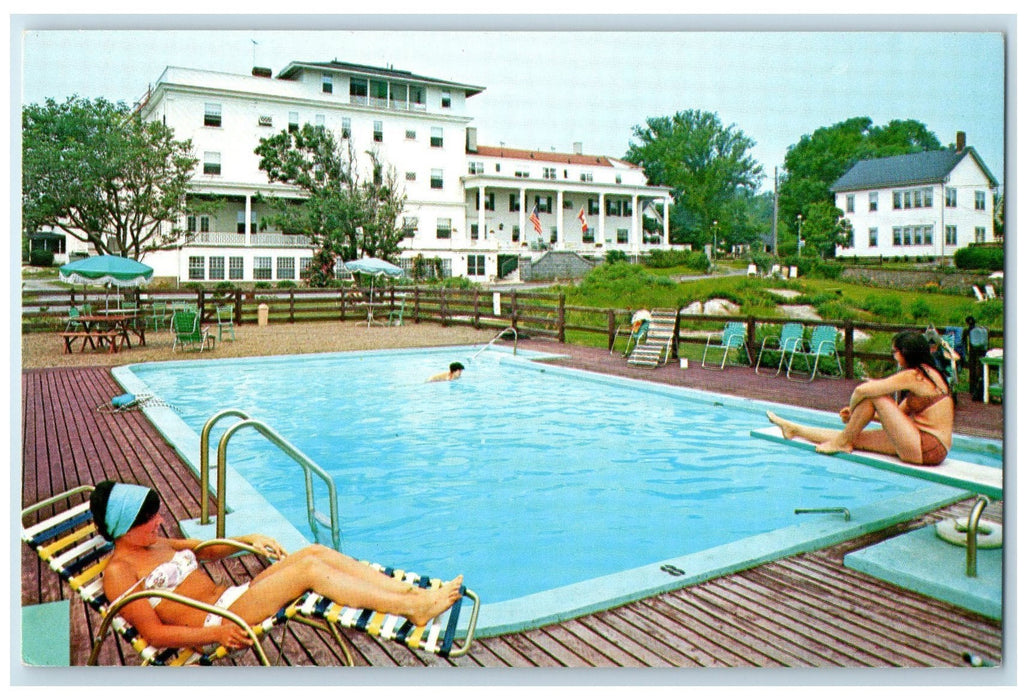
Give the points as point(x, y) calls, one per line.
point(259, 72)
point(472, 139)
point(960, 141)
point(577, 148)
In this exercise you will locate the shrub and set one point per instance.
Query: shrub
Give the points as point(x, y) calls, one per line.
point(615, 256)
point(976, 257)
point(692, 259)
point(262, 285)
point(888, 306)
point(286, 284)
point(919, 310)
point(41, 258)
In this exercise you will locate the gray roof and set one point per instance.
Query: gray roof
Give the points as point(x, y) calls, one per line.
point(928, 167)
point(294, 67)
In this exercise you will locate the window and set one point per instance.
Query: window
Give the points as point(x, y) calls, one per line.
point(358, 91)
point(515, 234)
point(346, 129)
point(490, 201)
point(873, 201)
point(196, 267)
point(589, 235)
point(211, 163)
point(326, 83)
point(913, 199)
point(474, 232)
point(417, 98)
point(436, 137)
point(951, 237)
point(552, 234)
point(568, 203)
point(475, 168)
point(305, 264)
point(443, 228)
point(980, 203)
point(216, 268)
point(515, 202)
point(378, 131)
point(850, 203)
point(398, 95)
point(447, 99)
point(544, 204)
point(950, 196)
point(476, 265)
point(294, 122)
point(411, 135)
point(190, 223)
point(872, 238)
point(409, 226)
point(436, 179)
point(264, 120)
point(586, 177)
point(979, 233)
point(548, 173)
point(204, 224)
point(211, 114)
point(593, 207)
point(262, 268)
point(235, 267)
point(613, 207)
point(521, 173)
point(411, 176)
point(896, 236)
point(622, 235)
point(240, 221)
point(618, 178)
point(380, 93)
point(286, 269)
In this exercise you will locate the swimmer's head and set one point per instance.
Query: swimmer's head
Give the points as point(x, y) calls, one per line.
point(456, 367)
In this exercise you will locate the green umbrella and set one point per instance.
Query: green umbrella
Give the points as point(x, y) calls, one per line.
point(107, 270)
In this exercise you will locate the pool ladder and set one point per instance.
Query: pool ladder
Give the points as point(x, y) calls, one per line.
point(843, 511)
point(498, 336)
point(310, 469)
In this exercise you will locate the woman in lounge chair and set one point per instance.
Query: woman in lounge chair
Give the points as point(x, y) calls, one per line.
point(127, 514)
point(917, 430)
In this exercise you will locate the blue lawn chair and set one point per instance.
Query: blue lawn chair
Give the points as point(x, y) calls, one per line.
point(789, 340)
point(823, 343)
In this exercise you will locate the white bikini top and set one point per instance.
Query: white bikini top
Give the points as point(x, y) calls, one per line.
point(167, 576)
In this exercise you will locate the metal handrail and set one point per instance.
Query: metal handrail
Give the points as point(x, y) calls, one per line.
point(310, 468)
point(972, 522)
point(498, 336)
point(205, 461)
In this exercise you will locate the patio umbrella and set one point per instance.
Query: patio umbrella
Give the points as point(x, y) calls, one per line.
point(375, 267)
point(107, 270)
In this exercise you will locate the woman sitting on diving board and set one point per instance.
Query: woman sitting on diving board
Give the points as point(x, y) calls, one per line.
point(917, 430)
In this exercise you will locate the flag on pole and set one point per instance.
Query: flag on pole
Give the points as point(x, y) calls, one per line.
point(581, 218)
point(535, 221)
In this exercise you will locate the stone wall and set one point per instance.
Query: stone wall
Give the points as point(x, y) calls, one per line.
point(952, 282)
point(554, 265)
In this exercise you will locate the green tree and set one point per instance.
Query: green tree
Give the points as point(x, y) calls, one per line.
point(819, 159)
point(344, 214)
point(94, 170)
point(706, 164)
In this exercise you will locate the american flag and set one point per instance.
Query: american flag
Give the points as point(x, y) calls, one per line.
point(581, 218)
point(535, 221)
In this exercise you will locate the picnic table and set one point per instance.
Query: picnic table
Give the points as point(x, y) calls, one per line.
point(108, 329)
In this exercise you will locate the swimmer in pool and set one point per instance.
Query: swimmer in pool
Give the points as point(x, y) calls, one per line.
point(917, 430)
point(128, 515)
point(455, 370)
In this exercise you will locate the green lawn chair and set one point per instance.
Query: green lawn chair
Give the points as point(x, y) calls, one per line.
point(786, 343)
point(186, 327)
point(396, 316)
point(823, 343)
point(226, 321)
point(731, 338)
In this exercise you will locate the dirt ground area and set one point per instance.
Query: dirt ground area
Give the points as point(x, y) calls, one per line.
point(40, 350)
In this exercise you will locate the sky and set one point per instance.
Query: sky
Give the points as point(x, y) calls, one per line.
point(587, 79)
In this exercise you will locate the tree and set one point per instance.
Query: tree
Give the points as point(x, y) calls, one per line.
point(345, 215)
point(820, 158)
point(706, 164)
point(98, 172)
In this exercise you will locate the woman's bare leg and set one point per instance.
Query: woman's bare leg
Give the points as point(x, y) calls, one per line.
point(792, 430)
point(345, 581)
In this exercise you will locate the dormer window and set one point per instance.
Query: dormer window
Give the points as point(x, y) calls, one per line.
point(447, 99)
point(326, 83)
point(211, 114)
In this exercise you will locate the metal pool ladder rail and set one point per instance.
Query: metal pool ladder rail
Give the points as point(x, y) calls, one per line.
point(498, 336)
point(310, 469)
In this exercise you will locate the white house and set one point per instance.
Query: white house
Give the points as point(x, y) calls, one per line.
point(920, 204)
point(419, 126)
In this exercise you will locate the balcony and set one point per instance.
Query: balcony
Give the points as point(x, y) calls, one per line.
point(257, 240)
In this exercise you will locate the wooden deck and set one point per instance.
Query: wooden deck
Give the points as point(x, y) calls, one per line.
point(802, 611)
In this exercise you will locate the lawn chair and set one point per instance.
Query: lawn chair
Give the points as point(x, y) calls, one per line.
point(655, 349)
point(751, 271)
point(69, 544)
point(186, 327)
point(977, 293)
point(158, 315)
point(989, 292)
point(787, 342)
point(635, 332)
point(823, 343)
point(731, 338)
point(396, 317)
point(73, 323)
point(226, 321)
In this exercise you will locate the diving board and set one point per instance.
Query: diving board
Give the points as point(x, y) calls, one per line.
point(977, 478)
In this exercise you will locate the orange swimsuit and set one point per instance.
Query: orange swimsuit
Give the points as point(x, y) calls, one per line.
point(932, 450)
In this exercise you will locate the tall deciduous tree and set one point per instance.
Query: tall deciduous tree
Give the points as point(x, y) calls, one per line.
point(344, 213)
point(706, 164)
point(818, 159)
point(94, 170)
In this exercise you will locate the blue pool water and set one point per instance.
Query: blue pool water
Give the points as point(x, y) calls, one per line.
point(523, 476)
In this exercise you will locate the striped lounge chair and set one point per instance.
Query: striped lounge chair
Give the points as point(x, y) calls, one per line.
point(68, 542)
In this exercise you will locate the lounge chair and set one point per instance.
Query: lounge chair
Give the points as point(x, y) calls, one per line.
point(751, 271)
point(787, 342)
point(989, 292)
point(158, 315)
point(977, 293)
point(731, 338)
point(186, 327)
point(823, 343)
point(73, 322)
point(656, 348)
point(226, 321)
point(635, 332)
point(68, 543)
point(396, 316)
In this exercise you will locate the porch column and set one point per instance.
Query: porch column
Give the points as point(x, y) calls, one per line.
point(635, 236)
point(602, 218)
point(522, 216)
point(559, 221)
point(481, 213)
point(247, 218)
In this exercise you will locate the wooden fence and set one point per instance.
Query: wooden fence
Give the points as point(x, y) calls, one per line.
point(530, 313)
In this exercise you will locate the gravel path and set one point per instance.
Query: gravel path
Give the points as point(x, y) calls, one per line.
point(39, 350)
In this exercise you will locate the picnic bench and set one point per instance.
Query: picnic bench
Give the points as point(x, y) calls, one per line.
point(114, 339)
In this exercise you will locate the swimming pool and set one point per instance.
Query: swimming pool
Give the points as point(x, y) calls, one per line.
point(554, 491)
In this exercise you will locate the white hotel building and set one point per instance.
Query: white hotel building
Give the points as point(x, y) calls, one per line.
point(467, 205)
